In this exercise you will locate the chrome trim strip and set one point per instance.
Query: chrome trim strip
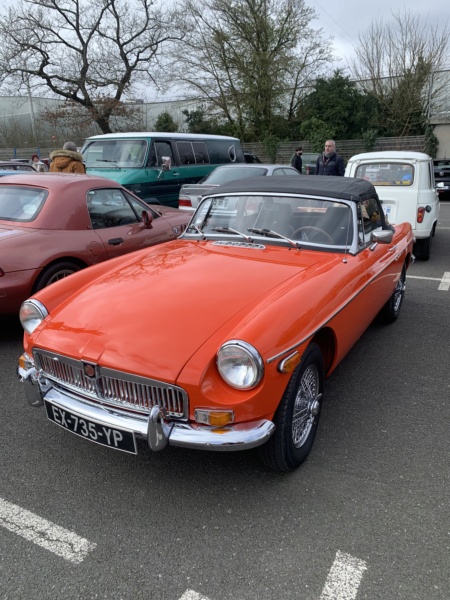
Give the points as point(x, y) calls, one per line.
point(319, 327)
point(201, 437)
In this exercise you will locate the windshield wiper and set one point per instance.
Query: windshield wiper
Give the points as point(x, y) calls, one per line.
point(199, 231)
point(274, 234)
point(106, 160)
point(229, 230)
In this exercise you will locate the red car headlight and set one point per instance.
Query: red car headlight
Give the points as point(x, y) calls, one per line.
point(240, 364)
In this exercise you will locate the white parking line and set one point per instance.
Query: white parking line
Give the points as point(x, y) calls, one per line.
point(342, 582)
point(30, 526)
point(344, 578)
point(444, 281)
point(191, 595)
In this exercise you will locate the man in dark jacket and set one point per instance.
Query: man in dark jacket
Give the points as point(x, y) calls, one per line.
point(296, 161)
point(330, 163)
point(67, 160)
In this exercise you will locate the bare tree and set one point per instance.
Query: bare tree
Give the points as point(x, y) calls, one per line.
point(89, 52)
point(395, 63)
point(249, 59)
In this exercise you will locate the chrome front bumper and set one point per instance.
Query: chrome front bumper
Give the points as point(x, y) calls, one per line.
point(154, 428)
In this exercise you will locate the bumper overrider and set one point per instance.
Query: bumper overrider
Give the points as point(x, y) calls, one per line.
point(155, 427)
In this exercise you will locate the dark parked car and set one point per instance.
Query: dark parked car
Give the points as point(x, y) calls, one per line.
point(442, 175)
point(251, 158)
point(309, 162)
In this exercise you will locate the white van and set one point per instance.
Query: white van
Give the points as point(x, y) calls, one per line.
point(405, 185)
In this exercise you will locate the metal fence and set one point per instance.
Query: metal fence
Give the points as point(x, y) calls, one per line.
point(285, 150)
point(346, 148)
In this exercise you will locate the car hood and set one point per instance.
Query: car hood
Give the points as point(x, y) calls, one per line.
point(149, 315)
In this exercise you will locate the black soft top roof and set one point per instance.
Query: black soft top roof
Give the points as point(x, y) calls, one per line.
point(341, 188)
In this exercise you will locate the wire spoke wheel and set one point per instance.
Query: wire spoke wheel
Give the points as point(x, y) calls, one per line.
point(306, 406)
point(297, 416)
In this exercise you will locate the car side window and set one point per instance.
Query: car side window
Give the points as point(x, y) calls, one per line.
point(109, 208)
point(138, 208)
point(369, 220)
point(158, 151)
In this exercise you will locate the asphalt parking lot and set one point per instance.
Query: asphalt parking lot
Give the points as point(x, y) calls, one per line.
point(366, 517)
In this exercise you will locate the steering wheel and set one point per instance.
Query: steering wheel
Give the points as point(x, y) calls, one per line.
point(313, 234)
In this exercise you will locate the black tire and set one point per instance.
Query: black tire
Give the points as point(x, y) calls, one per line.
point(423, 248)
point(391, 310)
point(297, 415)
point(55, 273)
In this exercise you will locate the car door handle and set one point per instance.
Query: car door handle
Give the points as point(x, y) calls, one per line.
point(115, 241)
point(392, 248)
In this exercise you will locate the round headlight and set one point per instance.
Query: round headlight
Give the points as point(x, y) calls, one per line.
point(240, 365)
point(32, 313)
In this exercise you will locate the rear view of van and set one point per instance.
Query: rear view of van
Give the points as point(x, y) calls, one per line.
point(154, 165)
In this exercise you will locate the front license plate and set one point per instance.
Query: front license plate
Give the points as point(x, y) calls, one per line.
point(119, 439)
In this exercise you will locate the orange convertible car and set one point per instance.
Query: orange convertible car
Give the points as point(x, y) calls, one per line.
point(53, 224)
point(222, 339)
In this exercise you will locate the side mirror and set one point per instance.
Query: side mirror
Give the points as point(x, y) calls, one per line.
point(384, 236)
point(147, 219)
point(166, 163)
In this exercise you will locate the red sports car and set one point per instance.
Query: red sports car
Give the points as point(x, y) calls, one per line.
point(57, 223)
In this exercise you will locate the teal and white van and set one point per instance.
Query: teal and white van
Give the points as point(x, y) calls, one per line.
point(154, 165)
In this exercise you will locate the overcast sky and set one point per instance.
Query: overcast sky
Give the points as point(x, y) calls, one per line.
point(346, 19)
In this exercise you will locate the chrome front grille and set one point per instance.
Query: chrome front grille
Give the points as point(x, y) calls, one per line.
point(111, 387)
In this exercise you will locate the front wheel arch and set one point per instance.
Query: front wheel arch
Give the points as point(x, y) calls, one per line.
point(50, 271)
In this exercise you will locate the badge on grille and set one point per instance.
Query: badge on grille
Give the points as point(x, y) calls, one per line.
point(89, 370)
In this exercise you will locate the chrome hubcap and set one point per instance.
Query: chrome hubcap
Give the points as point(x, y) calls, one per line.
point(399, 291)
point(306, 406)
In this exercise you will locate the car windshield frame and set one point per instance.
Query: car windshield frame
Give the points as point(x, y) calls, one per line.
point(257, 217)
point(21, 203)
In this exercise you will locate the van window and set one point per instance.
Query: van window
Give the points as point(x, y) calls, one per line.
point(159, 150)
point(386, 173)
point(191, 153)
point(223, 151)
point(200, 153)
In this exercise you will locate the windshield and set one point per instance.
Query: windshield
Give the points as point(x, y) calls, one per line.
point(307, 221)
point(18, 203)
point(220, 176)
point(386, 173)
point(115, 153)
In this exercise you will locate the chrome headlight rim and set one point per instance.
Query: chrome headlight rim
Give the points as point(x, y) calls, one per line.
point(247, 351)
point(37, 313)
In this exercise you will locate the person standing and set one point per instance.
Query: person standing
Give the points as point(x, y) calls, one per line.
point(329, 162)
point(296, 160)
point(37, 163)
point(67, 160)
